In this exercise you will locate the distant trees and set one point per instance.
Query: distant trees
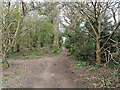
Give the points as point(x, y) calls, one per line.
point(41, 35)
point(52, 11)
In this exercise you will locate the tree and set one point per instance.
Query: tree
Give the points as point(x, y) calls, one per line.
point(100, 10)
point(11, 24)
point(51, 10)
point(94, 13)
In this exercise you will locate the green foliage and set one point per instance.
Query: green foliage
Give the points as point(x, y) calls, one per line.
point(56, 52)
point(81, 64)
point(81, 41)
point(113, 64)
point(84, 63)
point(80, 45)
point(93, 69)
point(13, 16)
point(42, 35)
point(86, 79)
point(83, 75)
point(4, 66)
point(6, 74)
point(33, 56)
point(2, 62)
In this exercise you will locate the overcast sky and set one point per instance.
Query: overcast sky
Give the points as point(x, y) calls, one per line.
point(65, 1)
point(62, 0)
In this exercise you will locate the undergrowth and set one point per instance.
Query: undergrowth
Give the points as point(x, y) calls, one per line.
point(34, 54)
point(99, 75)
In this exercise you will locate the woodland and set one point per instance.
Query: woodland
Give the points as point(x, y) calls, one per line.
point(89, 31)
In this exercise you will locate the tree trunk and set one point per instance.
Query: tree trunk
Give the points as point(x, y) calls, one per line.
point(17, 47)
point(12, 49)
point(4, 59)
point(98, 51)
point(56, 37)
point(3, 51)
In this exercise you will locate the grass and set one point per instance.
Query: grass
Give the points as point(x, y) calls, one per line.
point(4, 66)
point(57, 53)
point(34, 54)
point(30, 55)
point(6, 75)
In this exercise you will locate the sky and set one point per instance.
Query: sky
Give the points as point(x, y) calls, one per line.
point(65, 1)
point(61, 0)
point(117, 16)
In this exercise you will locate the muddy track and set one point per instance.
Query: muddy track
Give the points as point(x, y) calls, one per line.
point(50, 72)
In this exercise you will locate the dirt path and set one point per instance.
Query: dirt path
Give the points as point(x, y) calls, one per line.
point(50, 72)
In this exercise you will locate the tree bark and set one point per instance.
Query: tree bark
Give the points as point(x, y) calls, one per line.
point(12, 49)
point(98, 51)
point(56, 37)
point(17, 47)
point(4, 59)
point(98, 48)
